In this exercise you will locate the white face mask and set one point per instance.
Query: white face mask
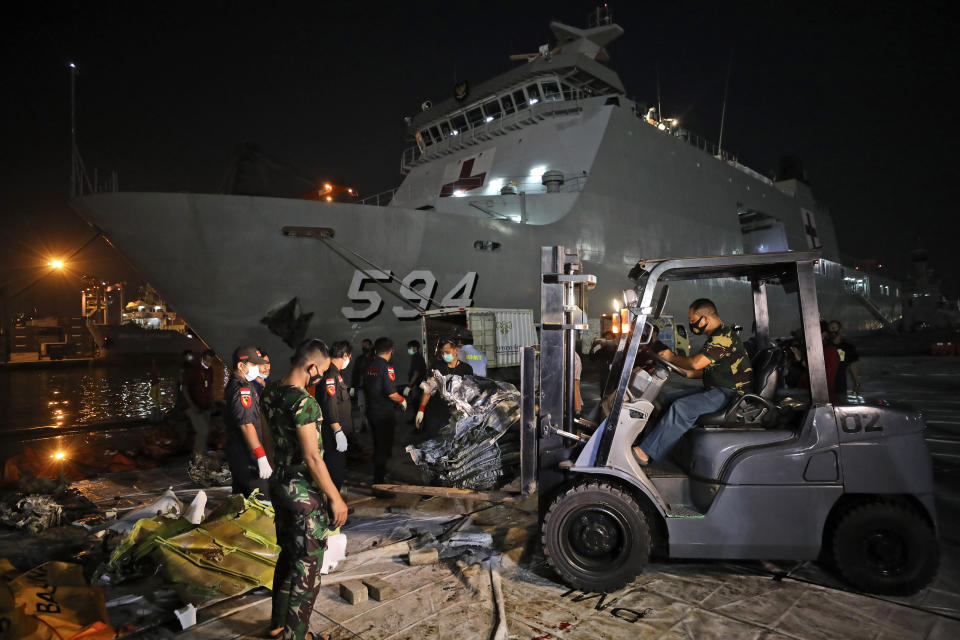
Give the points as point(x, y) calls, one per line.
point(346, 363)
point(253, 372)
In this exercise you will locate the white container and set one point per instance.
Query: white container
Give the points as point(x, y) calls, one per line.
point(498, 333)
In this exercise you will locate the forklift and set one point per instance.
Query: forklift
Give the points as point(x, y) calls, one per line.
point(778, 474)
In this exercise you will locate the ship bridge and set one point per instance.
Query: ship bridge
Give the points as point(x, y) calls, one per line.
point(552, 82)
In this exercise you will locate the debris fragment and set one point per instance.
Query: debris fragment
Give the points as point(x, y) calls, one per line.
point(33, 513)
point(335, 552)
point(210, 470)
point(167, 505)
point(480, 448)
point(423, 556)
point(194, 513)
point(187, 616)
point(353, 591)
point(464, 538)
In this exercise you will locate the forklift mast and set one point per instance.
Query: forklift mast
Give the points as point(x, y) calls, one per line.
point(548, 407)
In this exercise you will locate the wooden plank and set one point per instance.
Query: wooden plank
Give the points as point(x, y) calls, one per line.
point(450, 492)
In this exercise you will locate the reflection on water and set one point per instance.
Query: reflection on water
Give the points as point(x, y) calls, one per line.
point(66, 396)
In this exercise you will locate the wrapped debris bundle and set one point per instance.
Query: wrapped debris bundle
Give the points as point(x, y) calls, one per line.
point(480, 448)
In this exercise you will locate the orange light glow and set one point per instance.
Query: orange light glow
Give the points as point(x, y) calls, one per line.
point(329, 198)
point(327, 186)
point(56, 264)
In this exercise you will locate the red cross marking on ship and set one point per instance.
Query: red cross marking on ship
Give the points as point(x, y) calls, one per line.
point(465, 182)
point(811, 232)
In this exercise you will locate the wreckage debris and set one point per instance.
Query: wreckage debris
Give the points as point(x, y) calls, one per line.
point(210, 470)
point(33, 514)
point(480, 448)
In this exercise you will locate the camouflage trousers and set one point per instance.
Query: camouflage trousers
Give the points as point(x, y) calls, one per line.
point(301, 522)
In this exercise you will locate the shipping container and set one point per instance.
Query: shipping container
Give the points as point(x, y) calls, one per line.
point(498, 333)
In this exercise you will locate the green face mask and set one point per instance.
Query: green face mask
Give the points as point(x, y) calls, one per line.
point(448, 358)
point(410, 352)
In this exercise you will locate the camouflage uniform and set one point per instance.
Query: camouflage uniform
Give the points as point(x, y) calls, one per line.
point(729, 374)
point(301, 512)
point(729, 365)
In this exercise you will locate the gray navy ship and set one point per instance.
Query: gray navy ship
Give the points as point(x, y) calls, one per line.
point(550, 152)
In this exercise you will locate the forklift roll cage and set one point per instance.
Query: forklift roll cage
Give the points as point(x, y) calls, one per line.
point(564, 312)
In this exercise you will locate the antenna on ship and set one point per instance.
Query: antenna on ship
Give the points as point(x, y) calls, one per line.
point(78, 175)
point(659, 104)
point(723, 111)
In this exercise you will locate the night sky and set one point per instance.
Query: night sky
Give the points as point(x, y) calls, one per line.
point(167, 92)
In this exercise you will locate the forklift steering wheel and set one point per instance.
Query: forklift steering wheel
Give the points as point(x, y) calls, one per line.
point(669, 365)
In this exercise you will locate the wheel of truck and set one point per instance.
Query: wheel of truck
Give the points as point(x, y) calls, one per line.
point(886, 548)
point(596, 537)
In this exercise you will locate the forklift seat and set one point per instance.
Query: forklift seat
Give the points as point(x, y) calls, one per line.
point(757, 408)
point(717, 436)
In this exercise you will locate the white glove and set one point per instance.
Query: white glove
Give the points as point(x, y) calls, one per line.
point(265, 470)
point(403, 405)
point(419, 419)
point(353, 392)
point(406, 392)
point(341, 440)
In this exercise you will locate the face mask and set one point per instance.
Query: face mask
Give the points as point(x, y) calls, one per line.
point(253, 372)
point(346, 363)
point(410, 352)
point(263, 376)
point(314, 377)
point(448, 358)
point(696, 328)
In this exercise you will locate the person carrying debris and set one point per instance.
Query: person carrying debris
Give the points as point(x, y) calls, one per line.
point(298, 489)
point(245, 453)
point(380, 388)
point(433, 415)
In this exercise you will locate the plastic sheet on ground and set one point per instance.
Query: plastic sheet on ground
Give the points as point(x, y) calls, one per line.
point(51, 601)
point(232, 551)
point(480, 448)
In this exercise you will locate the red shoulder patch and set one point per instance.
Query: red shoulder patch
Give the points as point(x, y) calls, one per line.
point(246, 400)
point(391, 374)
point(331, 387)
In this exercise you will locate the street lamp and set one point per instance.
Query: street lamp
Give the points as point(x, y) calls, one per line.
point(56, 264)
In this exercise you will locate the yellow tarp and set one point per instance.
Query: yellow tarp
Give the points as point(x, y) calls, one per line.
point(51, 602)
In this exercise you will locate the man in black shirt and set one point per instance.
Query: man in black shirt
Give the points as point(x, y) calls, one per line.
point(434, 415)
point(357, 380)
point(334, 400)
point(849, 359)
point(245, 453)
point(380, 389)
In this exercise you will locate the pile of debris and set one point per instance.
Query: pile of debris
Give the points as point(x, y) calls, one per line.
point(210, 470)
point(480, 448)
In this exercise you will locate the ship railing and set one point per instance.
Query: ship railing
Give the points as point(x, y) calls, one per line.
point(381, 199)
point(483, 132)
point(705, 145)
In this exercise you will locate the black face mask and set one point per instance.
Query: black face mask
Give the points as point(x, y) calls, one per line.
point(314, 377)
point(696, 328)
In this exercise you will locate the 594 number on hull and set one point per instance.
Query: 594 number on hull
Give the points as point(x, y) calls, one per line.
point(417, 287)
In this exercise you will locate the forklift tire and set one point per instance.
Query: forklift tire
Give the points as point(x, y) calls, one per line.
point(596, 537)
point(885, 548)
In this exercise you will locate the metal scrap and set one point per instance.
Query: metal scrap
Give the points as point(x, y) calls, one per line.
point(210, 470)
point(480, 447)
point(33, 513)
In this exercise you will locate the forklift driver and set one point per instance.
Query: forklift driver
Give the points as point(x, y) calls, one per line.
point(726, 372)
